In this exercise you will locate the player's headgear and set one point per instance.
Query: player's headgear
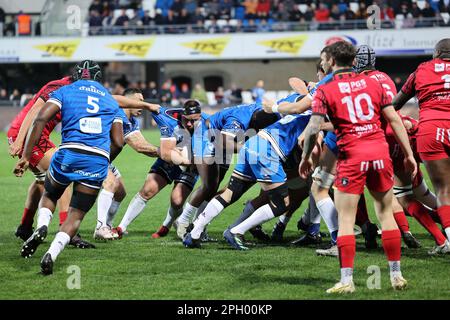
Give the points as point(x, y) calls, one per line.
point(365, 58)
point(88, 70)
point(191, 106)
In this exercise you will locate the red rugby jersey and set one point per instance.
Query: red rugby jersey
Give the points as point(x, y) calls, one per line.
point(430, 83)
point(353, 102)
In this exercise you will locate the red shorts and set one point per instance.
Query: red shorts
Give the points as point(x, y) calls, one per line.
point(39, 150)
point(352, 176)
point(433, 140)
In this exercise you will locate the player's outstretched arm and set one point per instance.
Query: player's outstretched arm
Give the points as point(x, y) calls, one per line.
point(116, 135)
point(127, 103)
point(47, 113)
point(16, 146)
point(400, 100)
point(401, 136)
point(171, 154)
point(137, 141)
point(288, 108)
point(312, 131)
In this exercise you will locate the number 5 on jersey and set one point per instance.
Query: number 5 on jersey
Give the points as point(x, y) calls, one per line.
point(92, 102)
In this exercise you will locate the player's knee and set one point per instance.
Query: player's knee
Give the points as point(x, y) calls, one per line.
point(110, 184)
point(53, 192)
point(149, 190)
point(176, 200)
point(238, 187)
point(82, 201)
point(279, 200)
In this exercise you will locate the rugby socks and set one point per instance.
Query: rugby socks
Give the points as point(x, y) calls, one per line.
point(44, 217)
point(113, 209)
point(104, 202)
point(187, 214)
point(27, 217)
point(284, 219)
point(134, 209)
point(62, 217)
point(347, 250)
point(58, 244)
point(248, 211)
point(314, 218)
point(444, 215)
point(329, 215)
point(402, 222)
point(421, 214)
point(211, 211)
point(200, 209)
point(260, 216)
point(314, 228)
point(171, 216)
point(392, 248)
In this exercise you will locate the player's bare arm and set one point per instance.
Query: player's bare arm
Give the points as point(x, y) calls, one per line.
point(288, 108)
point(311, 134)
point(400, 100)
point(17, 145)
point(137, 141)
point(401, 136)
point(298, 85)
point(47, 113)
point(117, 135)
point(171, 154)
point(127, 103)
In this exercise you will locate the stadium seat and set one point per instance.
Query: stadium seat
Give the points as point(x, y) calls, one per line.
point(233, 22)
point(354, 6)
point(445, 16)
point(211, 98)
point(399, 21)
point(302, 8)
point(207, 24)
point(421, 4)
point(247, 97)
point(222, 23)
point(239, 13)
point(130, 13)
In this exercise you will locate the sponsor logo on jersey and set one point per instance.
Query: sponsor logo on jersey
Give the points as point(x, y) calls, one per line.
point(439, 67)
point(92, 89)
point(213, 47)
point(138, 48)
point(344, 87)
point(287, 45)
point(64, 49)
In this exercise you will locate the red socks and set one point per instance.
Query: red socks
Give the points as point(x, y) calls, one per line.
point(444, 215)
point(392, 244)
point(421, 214)
point(347, 248)
point(27, 217)
point(62, 217)
point(401, 220)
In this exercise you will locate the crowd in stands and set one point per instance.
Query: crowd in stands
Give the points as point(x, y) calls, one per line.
point(144, 16)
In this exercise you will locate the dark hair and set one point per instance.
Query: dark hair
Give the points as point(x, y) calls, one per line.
point(327, 51)
point(343, 53)
point(131, 91)
point(319, 66)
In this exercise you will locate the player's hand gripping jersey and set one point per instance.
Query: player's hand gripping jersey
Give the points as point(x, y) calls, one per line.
point(430, 83)
point(353, 103)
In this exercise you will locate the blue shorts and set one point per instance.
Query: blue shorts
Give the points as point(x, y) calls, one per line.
point(69, 166)
point(330, 142)
point(258, 161)
point(172, 173)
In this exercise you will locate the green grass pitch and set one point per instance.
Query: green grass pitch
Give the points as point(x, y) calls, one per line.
point(138, 267)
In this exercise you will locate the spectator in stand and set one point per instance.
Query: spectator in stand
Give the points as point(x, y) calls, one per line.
point(4, 95)
point(212, 9)
point(107, 8)
point(258, 91)
point(2, 21)
point(219, 95)
point(95, 22)
point(444, 6)
point(146, 19)
point(175, 12)
point(120, 21)
point(96, 6)
point(190, 6)
point(159, 18)
point(151, 92)
point(415, 10)
point(398, 83)
point(213, 27)
point(199, 94)
point(308, 16)
point(107, 86)
point(23, 24)
point(428, 11)
point(108, 22)
point(15, 97)
point(166, 93)
point(250, 8)
point(404, 10)
point(225, 7)
point(234, 94)
point(251, 26)
point(197, 17)
point(263, 8)
point(281, 13)
point(322, 14)
point(263, 26)
point(335, 13)
point(184, 93)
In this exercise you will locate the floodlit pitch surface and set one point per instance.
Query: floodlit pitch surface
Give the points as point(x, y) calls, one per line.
point(139, 267)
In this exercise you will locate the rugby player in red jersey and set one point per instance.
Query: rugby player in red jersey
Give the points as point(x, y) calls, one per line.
point(410, 195)
point(354, 104)
point(430, 83)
